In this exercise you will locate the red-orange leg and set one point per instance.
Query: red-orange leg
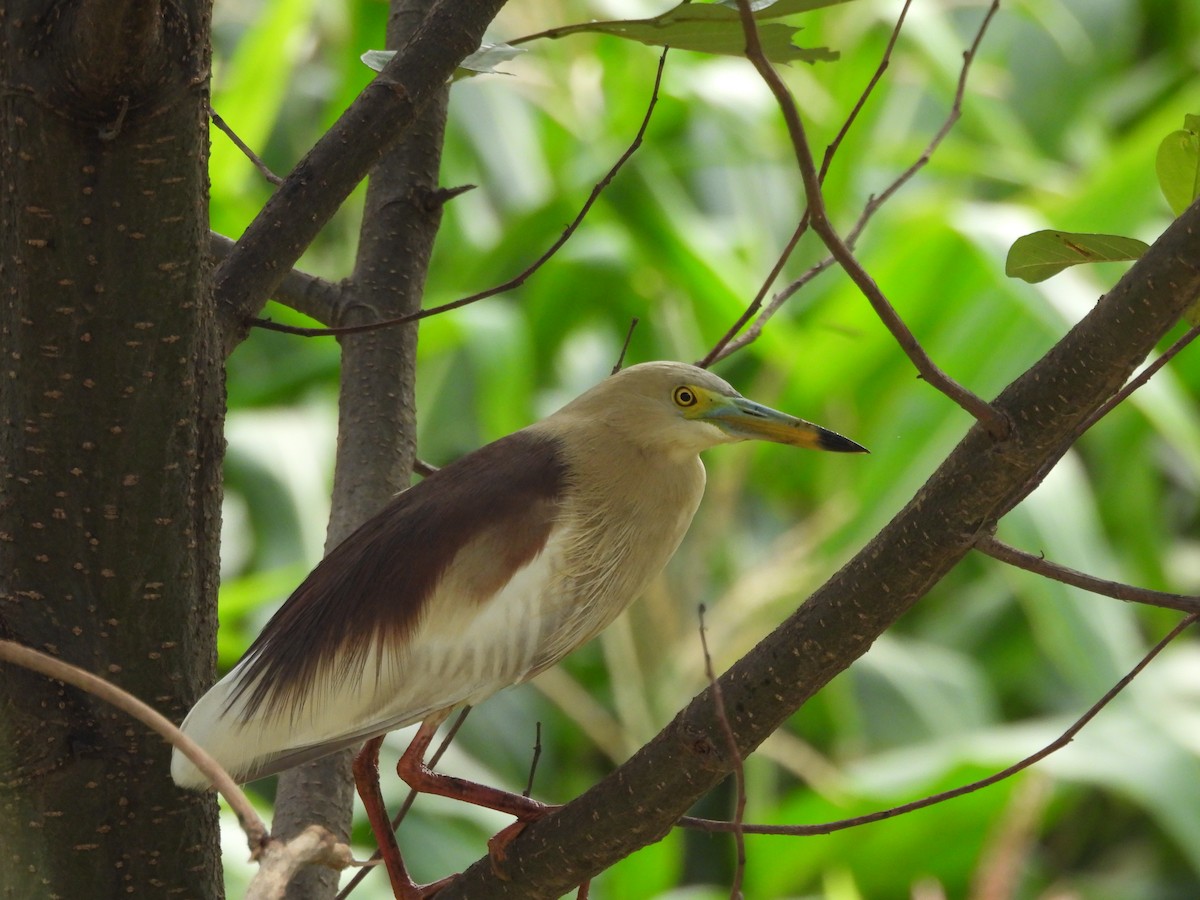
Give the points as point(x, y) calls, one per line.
point(421, 778)
point(412, 769)
point(366, 779)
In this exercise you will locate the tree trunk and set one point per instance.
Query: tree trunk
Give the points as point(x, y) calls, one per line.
point(377, 413)
point(110, 452)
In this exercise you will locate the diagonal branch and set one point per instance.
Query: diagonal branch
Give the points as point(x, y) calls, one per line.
point(278, 861)
point(641, 801)
point(1112, 403)
point(730, 344)
point(821, 224)
point(324, 178)
point(311, 295)
point(255, 159)
point(51, 667)
point(727, 344)
point(517, 280)
point(739, 828)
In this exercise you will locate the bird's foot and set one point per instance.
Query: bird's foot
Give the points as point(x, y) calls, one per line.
point(498, 844)
point(407, 889)
point(428, 890)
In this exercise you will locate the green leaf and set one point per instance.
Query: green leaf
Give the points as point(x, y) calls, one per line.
point(482, 62)
point(777, 9)
point(1035, 257)
point(715, 28)
point(377, 59)
point(1178, 165)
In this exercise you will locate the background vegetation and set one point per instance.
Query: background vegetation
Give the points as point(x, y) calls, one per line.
point(1064, 111)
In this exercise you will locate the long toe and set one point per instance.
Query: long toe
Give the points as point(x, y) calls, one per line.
point(428, 890)
point(498, 847)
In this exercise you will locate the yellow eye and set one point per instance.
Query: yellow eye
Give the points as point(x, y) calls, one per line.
point(684, 396)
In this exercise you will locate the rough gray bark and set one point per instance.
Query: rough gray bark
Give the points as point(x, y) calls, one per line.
point(110, 447)
point(377, 413)
point(977, 484)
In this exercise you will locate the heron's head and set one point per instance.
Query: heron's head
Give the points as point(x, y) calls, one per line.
point(671, 405)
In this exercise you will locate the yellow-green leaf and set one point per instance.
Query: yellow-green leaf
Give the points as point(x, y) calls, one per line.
point(1178, 165)
point(1035, 257)
point(714, 28)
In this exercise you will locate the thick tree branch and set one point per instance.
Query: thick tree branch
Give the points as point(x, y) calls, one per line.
point(639, 803)
point(313, 191)
point(308, 294)
point(1112, 403)
point(739, 828)
point(376, 407)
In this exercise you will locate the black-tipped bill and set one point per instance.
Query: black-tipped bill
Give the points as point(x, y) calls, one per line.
point(831, 440)
point(748, 420)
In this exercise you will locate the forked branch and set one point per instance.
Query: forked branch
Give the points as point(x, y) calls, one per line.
point(517, 280)
point(319, 184)
point(735, 338)
point(818, 216)
point(729, 342)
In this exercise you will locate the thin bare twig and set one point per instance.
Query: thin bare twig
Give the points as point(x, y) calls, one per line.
point(633, 323)
point(518, 279)
point(723, 346)
point(739, 769)
point(719, 350)
point(377, 856)
point(821, 224)
point(423, 468)
point(873, 204)
point(533, 763)
point(951, 120)
point(26, 657)
point(884, 62)
point(243, 146)
point(1057, 744)
point(997, 549)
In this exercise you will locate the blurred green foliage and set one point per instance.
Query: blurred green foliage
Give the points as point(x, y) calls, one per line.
point(1063, 115)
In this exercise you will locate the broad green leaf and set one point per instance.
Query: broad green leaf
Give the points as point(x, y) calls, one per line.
point(482, 62)
point(714, 28)
point(1178, 165)
point(1036, 257)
